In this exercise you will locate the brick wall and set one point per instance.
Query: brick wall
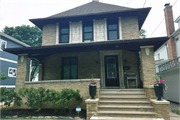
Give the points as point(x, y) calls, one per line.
point(49, 34)
point(130, 28)
point(132, 61)
point(87, 65)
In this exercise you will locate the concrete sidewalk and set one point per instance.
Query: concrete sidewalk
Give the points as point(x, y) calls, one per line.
point(174, 116)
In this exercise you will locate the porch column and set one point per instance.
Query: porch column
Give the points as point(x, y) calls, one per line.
point(40, 72)
point(22, 70)
point(148, 70)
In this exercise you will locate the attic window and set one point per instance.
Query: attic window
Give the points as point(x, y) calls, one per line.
point(3, 44)
point(64, 34)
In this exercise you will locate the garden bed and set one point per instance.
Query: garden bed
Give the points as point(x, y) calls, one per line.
point(23, 113)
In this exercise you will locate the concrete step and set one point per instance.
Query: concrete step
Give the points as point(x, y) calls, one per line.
point(125, 108)
point(121, 90)
point(125, 103)
point(133, 114)
point(121, 94)
point(123, 98)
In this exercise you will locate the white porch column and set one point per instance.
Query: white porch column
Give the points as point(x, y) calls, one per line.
point(57, 33)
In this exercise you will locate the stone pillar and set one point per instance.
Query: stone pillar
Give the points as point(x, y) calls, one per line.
point(148, 70)
point(161, 108)
point(40, 72)
point(91, 108)
point(22, 70)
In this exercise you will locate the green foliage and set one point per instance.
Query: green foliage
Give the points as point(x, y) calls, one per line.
point(2, 76)
point(176, 111)
point(29, 35)
point(142, 34)
point(8, 96)
point(36, 98)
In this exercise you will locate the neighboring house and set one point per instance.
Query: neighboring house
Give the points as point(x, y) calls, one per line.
point(168, 57)
point(8, 61)
point(93, 39)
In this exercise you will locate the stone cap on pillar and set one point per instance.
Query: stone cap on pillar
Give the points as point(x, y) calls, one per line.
point(91, 100)
point(159, 102)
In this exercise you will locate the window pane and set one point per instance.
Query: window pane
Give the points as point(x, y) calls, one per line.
point(66, 68)
point(64, 30)
point(113, 35)
point(111, 68)
point(88, 36)
point(112, 27)
point(88, 29)
point(64, 38)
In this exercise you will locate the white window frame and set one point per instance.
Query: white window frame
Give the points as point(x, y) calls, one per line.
point(1, 43)
point(10, 68)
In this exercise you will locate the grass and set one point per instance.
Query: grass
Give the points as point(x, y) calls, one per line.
point(176, 111)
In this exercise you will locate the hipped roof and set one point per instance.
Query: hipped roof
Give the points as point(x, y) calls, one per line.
point(92, 9)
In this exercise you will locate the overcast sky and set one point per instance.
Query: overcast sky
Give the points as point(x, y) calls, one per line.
point(18, 12)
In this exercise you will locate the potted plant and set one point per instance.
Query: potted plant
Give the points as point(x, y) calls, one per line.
point(92, 88)
point(159, 85)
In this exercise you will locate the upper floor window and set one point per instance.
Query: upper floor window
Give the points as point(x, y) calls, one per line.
point(112, 29)
point(87, 32)
point(64, 34)
point(3, 44)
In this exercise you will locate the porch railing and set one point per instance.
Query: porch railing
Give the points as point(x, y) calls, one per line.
point(169, 65)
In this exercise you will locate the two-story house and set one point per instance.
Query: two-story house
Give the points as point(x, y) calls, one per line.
point(8, 61)
point(96, 39)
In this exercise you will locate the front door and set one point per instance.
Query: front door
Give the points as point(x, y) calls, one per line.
point(111, 71)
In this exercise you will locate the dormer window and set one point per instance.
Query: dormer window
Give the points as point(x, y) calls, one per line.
point(112, 29)
point(64, 34)
point(87, 32)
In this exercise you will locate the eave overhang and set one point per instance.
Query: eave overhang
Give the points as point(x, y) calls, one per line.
point(131, 45)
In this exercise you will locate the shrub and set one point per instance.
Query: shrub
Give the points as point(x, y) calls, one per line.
point(36, 98)
point(9, 96)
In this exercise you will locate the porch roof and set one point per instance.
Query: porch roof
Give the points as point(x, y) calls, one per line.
point(131, 45)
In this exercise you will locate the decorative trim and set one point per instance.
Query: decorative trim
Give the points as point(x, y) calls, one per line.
point(99, 30)
point(57, 33)
point(120, 29)
point(147, 51)
point(7, 60)
point(76, 32)
point(151, 46)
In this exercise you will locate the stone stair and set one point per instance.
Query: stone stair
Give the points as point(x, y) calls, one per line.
point(124, 103)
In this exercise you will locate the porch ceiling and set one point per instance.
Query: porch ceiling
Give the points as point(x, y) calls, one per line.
point(131, 45)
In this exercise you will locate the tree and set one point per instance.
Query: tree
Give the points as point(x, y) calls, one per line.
point(142, 34)
point(29, 35)
point(2, 76)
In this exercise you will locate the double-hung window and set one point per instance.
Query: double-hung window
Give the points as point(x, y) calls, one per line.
point(87, 32)
point(69, 68)
point(112, 28)
point(64, 34)
point(3, 44)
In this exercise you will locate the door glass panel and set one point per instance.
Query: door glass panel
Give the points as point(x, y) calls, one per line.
point(73, 68)
point(111, 68)
point(66, 69)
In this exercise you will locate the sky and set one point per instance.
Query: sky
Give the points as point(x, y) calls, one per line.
point(18, 12)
